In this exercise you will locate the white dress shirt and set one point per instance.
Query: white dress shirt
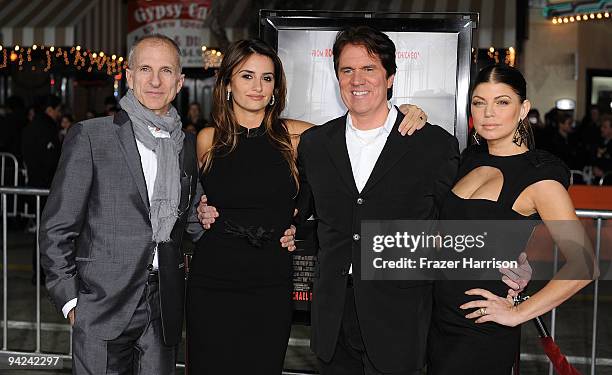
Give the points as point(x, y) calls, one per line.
point(148, 159)
point(364, 148)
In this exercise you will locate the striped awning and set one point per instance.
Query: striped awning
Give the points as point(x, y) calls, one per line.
point(104, 27)
point(497, 27)
point(102, 24)
point(93, 24)
point(42, 22)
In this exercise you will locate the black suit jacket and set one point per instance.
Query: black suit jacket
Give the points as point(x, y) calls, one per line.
point(411, 177)
point(96, 232)
point(41, 150)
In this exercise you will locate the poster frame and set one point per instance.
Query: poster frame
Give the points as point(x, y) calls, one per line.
point(463, 24)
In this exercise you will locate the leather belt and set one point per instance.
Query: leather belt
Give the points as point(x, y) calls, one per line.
point(153, 277)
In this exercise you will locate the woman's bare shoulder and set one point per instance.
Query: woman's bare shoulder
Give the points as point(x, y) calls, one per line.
point(205, 137)
point(297, 127)
point(204, 141)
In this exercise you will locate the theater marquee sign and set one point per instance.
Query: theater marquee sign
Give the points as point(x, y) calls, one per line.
point(180, 20)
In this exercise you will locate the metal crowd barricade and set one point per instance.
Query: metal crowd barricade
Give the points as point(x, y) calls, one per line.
point(11, 178)
point(38, 193)
point(4, 191)
point(5, 178)
point(598, 215)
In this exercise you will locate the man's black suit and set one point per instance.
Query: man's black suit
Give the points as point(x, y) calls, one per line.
point(409, 180)
point(41, 150)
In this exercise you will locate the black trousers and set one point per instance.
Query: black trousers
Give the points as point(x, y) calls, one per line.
point(350, 357)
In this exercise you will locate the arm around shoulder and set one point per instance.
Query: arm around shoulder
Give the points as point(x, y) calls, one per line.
point(296, 128)
point(447, 170)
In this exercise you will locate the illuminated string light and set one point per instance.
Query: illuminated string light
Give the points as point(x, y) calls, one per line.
point(4, 59)
point(557, 20)
point(211, 58)
point(79, 57)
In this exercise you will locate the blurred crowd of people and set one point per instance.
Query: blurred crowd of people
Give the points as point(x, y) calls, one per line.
point(585, 146)
point(34, 135)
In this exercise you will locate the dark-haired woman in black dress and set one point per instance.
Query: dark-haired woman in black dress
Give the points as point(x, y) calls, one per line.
point(239, 289)
point(501, 179)
point(238, 302)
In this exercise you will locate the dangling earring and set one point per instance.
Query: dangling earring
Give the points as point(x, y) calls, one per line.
point(476, 137)
point(521, 134)
point(272, 101)
point(228, 95)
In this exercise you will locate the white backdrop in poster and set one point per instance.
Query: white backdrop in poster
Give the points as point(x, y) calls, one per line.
point(426, 74)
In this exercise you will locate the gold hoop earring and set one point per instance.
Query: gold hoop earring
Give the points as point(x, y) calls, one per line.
point(272, 101)
point(476, 137)
point(228, 96)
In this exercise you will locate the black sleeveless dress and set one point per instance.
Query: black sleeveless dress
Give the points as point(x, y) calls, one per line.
point(456, 344)
point(239, 304)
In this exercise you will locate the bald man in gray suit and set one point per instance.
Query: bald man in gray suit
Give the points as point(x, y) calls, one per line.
point(112, 228)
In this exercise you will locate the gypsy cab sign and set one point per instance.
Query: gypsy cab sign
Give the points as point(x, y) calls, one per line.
point(181, 20)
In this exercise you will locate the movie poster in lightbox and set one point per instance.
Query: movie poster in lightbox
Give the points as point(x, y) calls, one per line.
point(426, 74)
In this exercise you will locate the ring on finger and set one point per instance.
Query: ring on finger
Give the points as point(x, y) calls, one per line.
point(482, 311)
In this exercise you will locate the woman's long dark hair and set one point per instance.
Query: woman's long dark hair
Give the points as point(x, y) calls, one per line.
point(501, 73)
point(224, 120)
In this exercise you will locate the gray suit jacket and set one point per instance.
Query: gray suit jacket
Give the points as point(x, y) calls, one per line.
point(96, 234)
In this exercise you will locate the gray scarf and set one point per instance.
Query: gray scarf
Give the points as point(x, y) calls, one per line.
point(167, 187)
